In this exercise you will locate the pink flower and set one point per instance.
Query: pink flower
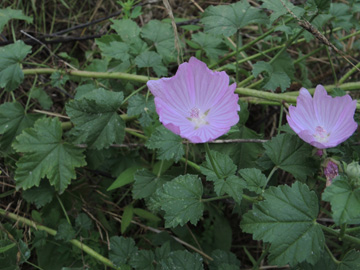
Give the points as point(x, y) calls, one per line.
point(198, 104)
point(322, 121)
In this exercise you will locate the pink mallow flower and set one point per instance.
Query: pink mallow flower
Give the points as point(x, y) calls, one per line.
point(322, 121)
point(198, 104)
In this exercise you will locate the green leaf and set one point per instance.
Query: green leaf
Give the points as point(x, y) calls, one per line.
point(168, 144)
point(143, 260)
point(209, 43)
point(287, 219)
point(227, 19)
point(223, 163)
point(322, 6)
point(8, 14)
point(255, 180)
point(127, 217)
point(65, 231)
point(58, 79)
point(182, 259)
point(42, 97)
point(279, 72)
point(151, 59)
point(324, 263)
point(291, 154)
point(41, 195)
point(233, 185)
point(162, 36)
point(351, 261)
point(344, 200)
point(96, 120)
point(121, 250)
point(11, 56)
point(181, 200)
point(46, 155)
point(224, 260)
point(126, 28)
point(114, 49)
point(82, 221)
point(146, 183)
point(126, 177)
point(278, 9)
point(24, 251)
point(8, 255)
point(146, 215)
point(13, 121)
point(139, 106)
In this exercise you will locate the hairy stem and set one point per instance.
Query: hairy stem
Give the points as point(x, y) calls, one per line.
point(52, 232)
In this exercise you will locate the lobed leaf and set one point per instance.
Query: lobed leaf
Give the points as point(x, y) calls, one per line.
point(287, 219)
point(96, 120)
point(46, 155)
point(162, 36)
point(227, 19)
point(13, 120)
point(181, 200)
point(8, 14)
point(168, 144)
point(291, 154)
point(121, 250)
point(11, 75)
point(182, 259)
point(344, 200)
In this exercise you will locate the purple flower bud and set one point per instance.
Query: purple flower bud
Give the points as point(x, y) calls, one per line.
point(322, 121)
point(319, 152)
point(198, 104)
point(331, 171)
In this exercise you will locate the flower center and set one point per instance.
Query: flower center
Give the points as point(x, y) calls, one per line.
point(197, 117)
point(321, 135)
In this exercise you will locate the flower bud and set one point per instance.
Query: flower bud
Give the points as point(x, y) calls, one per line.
point(331, 171)
point(353, 172)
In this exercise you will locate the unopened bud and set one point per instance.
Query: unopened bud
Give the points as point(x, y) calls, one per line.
point(331, 171)
point(353, 172)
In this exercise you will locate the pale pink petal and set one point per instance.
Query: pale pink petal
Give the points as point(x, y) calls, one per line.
point(209, 86)
point(198, 104)
point(323, 121)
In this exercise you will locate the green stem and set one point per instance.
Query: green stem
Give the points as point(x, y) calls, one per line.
point(331, 65)
point(208, 152)
point(191, 164)
point(63, 209)
point(269, 176)
point(346, 237)
point(133, 93)
point(280, 117)
point(251, 258)
point(136, 134)
point(262, 256)
point(237, 57)
point(349, 73)
point(52, 232)
point(160, 169)
point(216, 198)
point(90, 74)
point(248, 45)
point(353, 230)
point(252, 57)
point(29, 96)
point(342, 231)
point(331, 255)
